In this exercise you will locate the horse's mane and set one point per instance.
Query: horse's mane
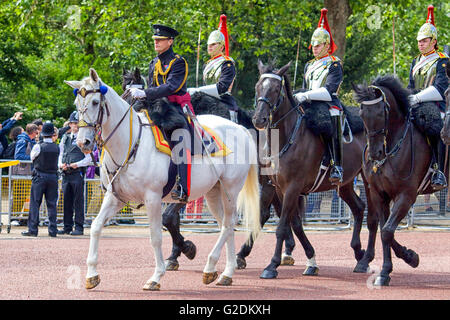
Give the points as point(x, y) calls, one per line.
point(364, 92)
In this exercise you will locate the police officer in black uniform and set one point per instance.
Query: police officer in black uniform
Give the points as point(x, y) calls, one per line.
point(45, 180)
point(167, 77)
point(73, 162)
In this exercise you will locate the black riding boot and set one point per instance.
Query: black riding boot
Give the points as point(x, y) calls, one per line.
point(337, 172)
point(438, 180)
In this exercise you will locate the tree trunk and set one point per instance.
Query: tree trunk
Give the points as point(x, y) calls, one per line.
point(338, 13)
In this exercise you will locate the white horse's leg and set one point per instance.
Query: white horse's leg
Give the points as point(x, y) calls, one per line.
point(229, 222)
point(109, 207)
point(153, 205)
point(213, 198)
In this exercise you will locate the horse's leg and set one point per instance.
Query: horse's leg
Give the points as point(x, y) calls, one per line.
point(372, 224)
point(289, 242)
point(171, 220)
point(290, 207)
point(297, 225)
point(267, 197)
point(408, 255)
point(110, 206)
point(153, 205)
point(213, 198)
point(357, 206)
point(229, 212)
point(399, 211)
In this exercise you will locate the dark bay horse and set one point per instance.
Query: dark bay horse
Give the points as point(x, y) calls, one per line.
point(396, 163)
point(445, 133)
point(299, 162)
point(204, 104)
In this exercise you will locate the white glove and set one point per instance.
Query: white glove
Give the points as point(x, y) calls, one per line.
point(301, 97)
point(191, 91)
point(413, 100)
point(137, 93)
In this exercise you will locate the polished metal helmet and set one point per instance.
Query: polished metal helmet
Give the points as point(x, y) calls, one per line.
point(320, 35)
point(216, 37)
point(428, 29)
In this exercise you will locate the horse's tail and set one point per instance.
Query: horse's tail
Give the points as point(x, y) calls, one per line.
point(248, 199)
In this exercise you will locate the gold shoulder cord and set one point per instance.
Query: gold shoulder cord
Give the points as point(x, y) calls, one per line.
point(159, 71)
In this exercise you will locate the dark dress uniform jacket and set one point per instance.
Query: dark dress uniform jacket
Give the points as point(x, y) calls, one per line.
point(167, 76)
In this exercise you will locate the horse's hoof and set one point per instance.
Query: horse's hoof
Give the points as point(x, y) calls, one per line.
point(172, 265)
point(287, 261)
point(414, 258)
point(269, 274)
point(241, 264)
point(224, 281)
point(92, 282)
point(311, 271)
point(361, 268)
point(382, 281)
point(189, 249)
point(209, 277)
point(151, 286)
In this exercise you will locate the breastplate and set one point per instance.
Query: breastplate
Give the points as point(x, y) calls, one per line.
point(317, 72)
point(213, 70)
point(424, 77)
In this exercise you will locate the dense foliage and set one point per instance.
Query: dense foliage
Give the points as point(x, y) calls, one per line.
point(45, 42)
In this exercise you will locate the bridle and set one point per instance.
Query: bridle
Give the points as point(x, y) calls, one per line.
point(384, 131)
point(273, 107)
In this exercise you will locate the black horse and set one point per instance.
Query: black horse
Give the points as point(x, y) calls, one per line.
point(205, 104)
point(301, 156)
point(397, 160)
point(445, 133)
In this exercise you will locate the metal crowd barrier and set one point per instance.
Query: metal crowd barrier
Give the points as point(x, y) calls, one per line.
point(324, 210)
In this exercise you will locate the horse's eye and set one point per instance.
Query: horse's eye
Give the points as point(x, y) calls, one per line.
point(95, 103)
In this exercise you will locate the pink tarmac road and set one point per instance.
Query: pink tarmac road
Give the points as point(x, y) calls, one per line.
point(47, 268)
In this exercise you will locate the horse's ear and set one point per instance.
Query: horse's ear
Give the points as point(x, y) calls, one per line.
point(260, 67)
point(124, 71)
point(74, 83)
point(93, 74)
point(137, 73)
point(283, 69)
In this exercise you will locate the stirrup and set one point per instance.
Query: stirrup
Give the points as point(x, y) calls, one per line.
point(336, 175)
point(438, 180)
point(179, 194)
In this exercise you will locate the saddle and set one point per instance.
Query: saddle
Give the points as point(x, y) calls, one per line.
point(209, 139)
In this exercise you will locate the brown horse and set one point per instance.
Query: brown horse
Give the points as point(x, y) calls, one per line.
point(445, 133)
point(299, 162)
point(396, 163)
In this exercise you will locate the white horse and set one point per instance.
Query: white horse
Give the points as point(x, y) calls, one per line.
point(227, 186)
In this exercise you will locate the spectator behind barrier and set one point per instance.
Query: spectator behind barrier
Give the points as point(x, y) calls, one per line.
point(39, 123)
point(5, 127)
point(25, 142)
point(8, 153)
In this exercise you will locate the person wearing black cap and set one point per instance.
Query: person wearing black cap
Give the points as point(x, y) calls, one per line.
point(73, 162)
point(45, 180)
point(167, 76)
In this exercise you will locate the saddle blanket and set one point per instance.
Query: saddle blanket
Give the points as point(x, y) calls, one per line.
point(211, 140)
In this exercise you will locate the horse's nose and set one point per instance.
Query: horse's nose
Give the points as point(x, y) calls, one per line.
point(87, 142)
point(260, 122)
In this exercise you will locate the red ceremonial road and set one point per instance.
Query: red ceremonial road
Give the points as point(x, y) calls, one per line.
point(55, 268)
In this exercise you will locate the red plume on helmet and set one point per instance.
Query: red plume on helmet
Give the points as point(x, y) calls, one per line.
point(323, 23)
point(223, 28)
point(430, 15)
